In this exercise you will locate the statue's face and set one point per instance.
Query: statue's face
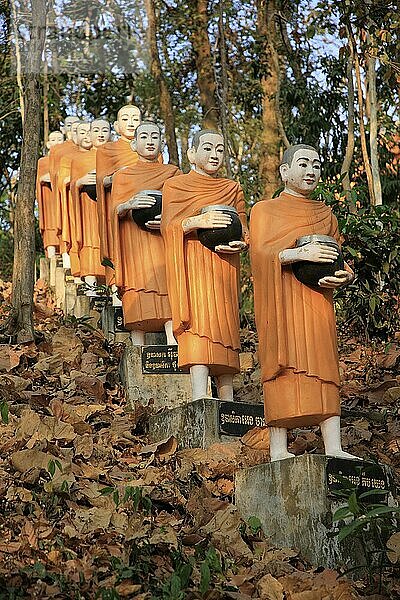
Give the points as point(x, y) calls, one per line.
point(73, 132)
point(303, 174)
point(55, 137)
point(128, 119)
point(84, 139)
point(148, 142)
point(209, 156)
point(68, 122)
point(100, 132)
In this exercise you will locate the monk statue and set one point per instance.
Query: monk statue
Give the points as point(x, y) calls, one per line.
point(110, 157)
point(46, 206)
point(55, 155)
point(295, 321)
point(83, 197)
point(203, 284)
point(66, 217)
point(138, 253)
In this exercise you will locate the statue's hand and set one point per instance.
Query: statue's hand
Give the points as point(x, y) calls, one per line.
point(45, 178)
point(320, 253)
point(232, 247)
point(141, 200)
point(155, 224)
point(88, 179)
point(334, 281)
point(107, 180)
point(214, 219)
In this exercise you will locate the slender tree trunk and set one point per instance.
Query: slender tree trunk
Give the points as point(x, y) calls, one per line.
point(46, 126)
point(24, 226)
point(18, 60)
point(271, 137)
point(166, 106)
point(348, 158)
point(224, 88)
point(373, 129)
point(204, 63)
point(363, 139)
point(184, 140)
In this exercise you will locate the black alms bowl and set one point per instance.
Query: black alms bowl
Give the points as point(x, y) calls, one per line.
point(214, 237)
point(142, 215)
point(310, 273)
point(90, 189)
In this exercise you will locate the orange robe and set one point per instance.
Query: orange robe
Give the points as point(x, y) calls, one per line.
point(139, 255)
point(203, 286)
point(46, 206)
point(295, 322)
point(55, 156)
point(68, 218)
point(86, 225)
point(110, 157)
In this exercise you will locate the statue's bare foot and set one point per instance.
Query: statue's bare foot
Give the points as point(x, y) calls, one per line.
point(343, 454)
point(281, 456)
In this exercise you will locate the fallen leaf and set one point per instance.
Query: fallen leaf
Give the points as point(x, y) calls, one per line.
point(393, 545)
point(68, 345)
point(270, 588)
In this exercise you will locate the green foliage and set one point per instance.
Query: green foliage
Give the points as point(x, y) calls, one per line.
point(368, 525)
point(369, 306)
point(4, 411)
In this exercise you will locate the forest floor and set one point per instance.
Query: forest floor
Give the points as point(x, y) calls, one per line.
point(90, 510)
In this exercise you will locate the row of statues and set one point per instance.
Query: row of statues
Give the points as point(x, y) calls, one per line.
point(91, 193)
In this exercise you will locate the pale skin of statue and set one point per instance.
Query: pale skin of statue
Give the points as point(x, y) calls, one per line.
point(207, 160)
point(148, 145)
point(74, 138)
point(128, 119)
point(301, 179)
point(66, 129)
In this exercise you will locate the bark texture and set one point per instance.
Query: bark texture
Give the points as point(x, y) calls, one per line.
point(166, 105)
point(24, 227)
point(348, 158)
point(270, 81)
point(204, 63)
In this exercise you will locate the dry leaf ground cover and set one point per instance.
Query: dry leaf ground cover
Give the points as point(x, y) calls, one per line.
point(90, 510)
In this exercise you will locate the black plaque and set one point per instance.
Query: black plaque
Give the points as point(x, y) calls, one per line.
point(159, 360)
point(363, 476)
point(118, 319)
point(237, 418)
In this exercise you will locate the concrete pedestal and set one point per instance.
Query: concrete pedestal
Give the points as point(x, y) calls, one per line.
point(194, 424)
point(108, 326)
point(70, 295)
point(44, 270)
point(294, 501)
point(159, 390)
point(52, 272)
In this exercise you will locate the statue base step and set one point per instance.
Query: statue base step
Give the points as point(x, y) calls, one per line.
point(59, 287)
point(201, 423)
point(150, 376)
point(295, 502)
point(112, 324)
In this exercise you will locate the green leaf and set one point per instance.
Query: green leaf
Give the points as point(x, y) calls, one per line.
point(106, 491)
point(372, 493)
point(4, 411)
point(348, 529)
point(342, 513)
point(51, 467)
point(382, 510)
point(58, 465)
point(106, 262)
point(372, 303)
point(205, 577)
point(353, 504)
point(185, 574)
point(254, 524)
point(116, 497)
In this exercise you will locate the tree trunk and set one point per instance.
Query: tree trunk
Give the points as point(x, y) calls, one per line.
point(348, 158)
point(184, 140)
point(166, 106)
point(271, 137)
point(46, 125)
point(204, 63)
point(363, 139)
point(18, 60)
point(224, 88)
point(24, 226)
point(373, 130)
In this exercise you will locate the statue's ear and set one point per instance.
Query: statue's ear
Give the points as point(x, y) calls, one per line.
point(48, 145)
point(116, 127)
point(191, 154)
point(283, 170)
point(134, 145)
